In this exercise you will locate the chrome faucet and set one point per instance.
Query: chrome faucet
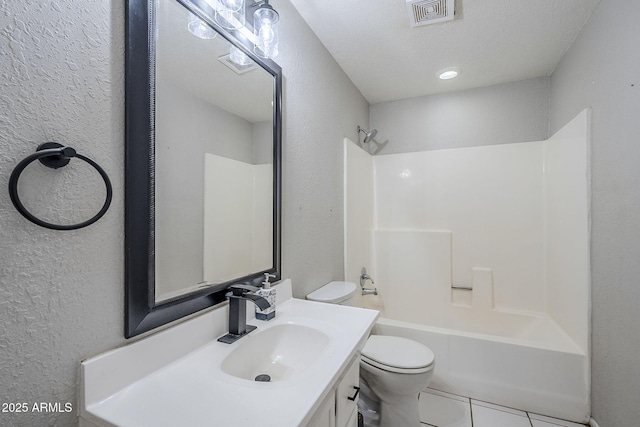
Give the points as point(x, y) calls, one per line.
point(238, 311)
point(363, 279)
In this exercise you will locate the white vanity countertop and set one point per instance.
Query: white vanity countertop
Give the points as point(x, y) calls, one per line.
point(192, 390)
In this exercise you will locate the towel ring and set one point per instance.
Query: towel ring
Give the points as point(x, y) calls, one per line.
point(54, 155)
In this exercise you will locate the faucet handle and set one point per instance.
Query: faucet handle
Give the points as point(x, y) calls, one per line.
point(239, 289)
point(364, 277)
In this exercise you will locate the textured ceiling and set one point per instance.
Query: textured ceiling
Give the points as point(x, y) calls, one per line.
point(491, 41)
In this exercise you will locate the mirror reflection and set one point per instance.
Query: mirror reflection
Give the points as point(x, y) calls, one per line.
point(213, 157)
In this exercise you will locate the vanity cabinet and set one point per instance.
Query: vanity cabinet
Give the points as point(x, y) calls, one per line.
point(339, 408)
point(325, 416)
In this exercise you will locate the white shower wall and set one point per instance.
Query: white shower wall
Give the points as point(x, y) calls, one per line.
point(567, 228)
point(518, 213)
point(489, 197)
point(238, 214)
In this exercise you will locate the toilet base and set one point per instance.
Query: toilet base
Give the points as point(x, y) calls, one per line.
point(377, 413)
point(400, 414)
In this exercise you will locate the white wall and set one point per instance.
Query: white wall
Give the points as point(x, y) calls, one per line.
point(262, 221)
point(236, 217)
point(510, 221)
point(358, 212)
point(566, 228)
point(489, 197)
point(228, 214)
point(62, 78)
point(499, 114)
point(321, 108)
point(601, 71)
point(187, 128)
point(262, 145)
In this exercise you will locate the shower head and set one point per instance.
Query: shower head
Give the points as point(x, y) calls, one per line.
point(368, 136)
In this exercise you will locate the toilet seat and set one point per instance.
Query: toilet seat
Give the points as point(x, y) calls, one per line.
point(397, 354)
point(333, 292)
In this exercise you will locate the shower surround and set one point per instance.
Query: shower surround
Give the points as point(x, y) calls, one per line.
point(482, 254)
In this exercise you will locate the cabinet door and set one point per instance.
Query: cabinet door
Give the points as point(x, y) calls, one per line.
point(325, 416)
point(346, 395)
point(353, 421)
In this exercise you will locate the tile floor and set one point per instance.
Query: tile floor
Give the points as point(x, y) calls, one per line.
point(439, 409)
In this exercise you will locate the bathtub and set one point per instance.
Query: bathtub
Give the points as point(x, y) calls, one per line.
point(520, 360)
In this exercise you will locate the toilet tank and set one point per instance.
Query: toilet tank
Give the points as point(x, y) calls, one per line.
point(334, 293)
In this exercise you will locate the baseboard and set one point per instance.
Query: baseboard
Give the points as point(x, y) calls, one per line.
point(593, 423)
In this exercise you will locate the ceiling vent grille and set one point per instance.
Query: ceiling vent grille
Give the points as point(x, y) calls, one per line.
point(424, 12)
point(237, 68)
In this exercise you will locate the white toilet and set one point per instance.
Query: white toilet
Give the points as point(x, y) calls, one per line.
point(393, 370)
point(334, 293)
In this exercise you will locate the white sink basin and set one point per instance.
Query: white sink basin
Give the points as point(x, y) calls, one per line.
point(281, 352)
point(191, 375)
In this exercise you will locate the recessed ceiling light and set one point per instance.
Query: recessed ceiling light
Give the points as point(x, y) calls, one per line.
point(449, 73)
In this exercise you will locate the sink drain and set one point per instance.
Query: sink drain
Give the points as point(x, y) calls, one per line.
point(263, 378)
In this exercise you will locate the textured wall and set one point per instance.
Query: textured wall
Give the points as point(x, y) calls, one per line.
point(500, 114)
point(61, 293)
point(321, 107)
point(601, 70)
point(62, 78)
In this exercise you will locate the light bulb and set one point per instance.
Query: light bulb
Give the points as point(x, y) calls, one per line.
point(266, 33)
point(265, 21)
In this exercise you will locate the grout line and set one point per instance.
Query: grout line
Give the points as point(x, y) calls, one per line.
point(501, 410)
point(506, 412)
point(530, 422)
point(554, 421)
point(471, 411)
point(444, 394)
point(426, 390)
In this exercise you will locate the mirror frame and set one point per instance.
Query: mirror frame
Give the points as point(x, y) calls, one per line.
point(142, 312)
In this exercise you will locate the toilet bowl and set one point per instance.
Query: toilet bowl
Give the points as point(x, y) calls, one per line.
point(393, 370)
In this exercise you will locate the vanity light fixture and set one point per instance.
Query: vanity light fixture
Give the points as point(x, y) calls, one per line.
point(265, 30)
point(449, 73)
point(230, 14)
point(198, 28)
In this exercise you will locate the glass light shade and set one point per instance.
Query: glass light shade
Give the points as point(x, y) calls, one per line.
point(199, 28)
point(265, 27)
point(230, 14)
point(238, 57)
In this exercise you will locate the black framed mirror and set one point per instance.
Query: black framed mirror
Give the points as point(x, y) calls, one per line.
point(202, 162)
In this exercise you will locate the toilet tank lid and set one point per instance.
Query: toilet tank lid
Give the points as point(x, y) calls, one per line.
point(397, 352)
point(333, 292)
